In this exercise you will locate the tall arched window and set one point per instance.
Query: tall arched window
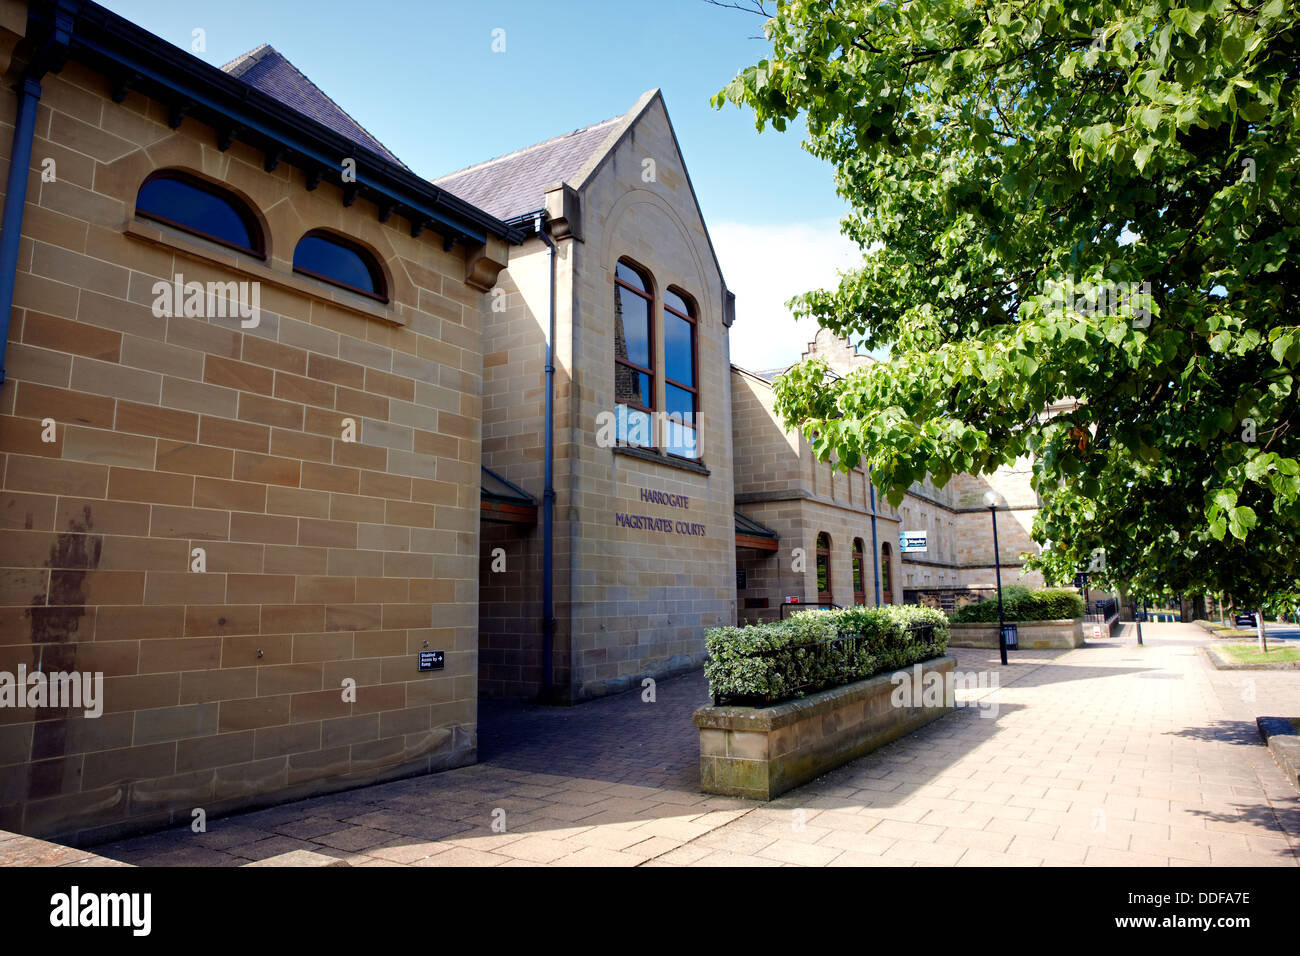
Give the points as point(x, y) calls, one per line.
point(681, 391)
point(633, 355)
point(824, 568)
point(859, 584)
point(178, 199)
point(886, 574)
point(333, 259)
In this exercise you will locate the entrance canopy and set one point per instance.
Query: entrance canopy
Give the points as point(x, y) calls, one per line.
point(502, 501)
point(752, 534)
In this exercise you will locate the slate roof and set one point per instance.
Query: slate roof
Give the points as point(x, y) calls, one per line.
point(513, 185)
point(267, 70)
point(747, 525)
point(496, 488)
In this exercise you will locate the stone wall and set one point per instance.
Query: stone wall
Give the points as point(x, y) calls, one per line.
point(326, 559)
point(514, 377)
point(1030, 635)
point(630, 602)
point(1015, 520)
point(780, 483)
point(761, 752)
point(642, 600)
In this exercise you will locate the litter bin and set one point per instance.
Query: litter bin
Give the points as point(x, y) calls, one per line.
point(1010, 635)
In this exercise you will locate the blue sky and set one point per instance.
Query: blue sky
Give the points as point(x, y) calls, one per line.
point(423, 78)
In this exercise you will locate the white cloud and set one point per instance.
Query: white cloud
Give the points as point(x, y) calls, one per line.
point(765, 266)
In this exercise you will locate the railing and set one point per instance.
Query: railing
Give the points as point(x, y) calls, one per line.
point(1103, 612)
point(806, 605)
point(835, 652)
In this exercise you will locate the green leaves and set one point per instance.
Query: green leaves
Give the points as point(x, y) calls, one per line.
point(1187, 20)
point(1241, 520)
point(991, 159)
point(1232, 47)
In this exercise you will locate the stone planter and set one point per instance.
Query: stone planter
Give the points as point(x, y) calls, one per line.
point(761, 752)
point(1033, 635)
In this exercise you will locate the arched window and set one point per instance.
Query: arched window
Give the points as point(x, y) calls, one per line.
point(178, 199)
point(859, 584)
point(681, 387)
point(333, 259)
point(633, 355)
point(824, 568)
point(886, 574)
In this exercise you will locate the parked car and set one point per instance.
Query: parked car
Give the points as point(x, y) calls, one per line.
point(1246, 619)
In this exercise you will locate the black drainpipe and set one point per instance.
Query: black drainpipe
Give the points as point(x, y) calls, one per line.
point(50, 56)
point(548, 496)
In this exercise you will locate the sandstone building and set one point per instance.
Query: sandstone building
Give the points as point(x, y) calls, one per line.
point(229, 517)
point(643, 530)
point(273, 436)
point(848, 535)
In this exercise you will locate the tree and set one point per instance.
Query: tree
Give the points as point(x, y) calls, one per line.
point(1080, 205)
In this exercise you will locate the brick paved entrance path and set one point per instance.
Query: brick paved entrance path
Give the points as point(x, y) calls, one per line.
point(1109, 754)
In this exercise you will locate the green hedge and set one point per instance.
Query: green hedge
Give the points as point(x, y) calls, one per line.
point(796, 660)
point(1021, 604)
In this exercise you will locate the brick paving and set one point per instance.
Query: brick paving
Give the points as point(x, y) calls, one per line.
point(1108, 754)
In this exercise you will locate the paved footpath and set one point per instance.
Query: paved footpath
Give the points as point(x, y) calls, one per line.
point(1108, 754)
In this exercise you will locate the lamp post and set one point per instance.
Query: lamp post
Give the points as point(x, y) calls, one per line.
point(991, 500)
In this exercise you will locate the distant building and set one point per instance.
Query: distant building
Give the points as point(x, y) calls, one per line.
point(827, 514)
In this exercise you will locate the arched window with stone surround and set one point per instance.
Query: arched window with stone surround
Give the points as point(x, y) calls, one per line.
point(681, 377)
point(886, 574)
point(859, 572)
point(634, 372)
point(184, 201)
point(824, 568)
point(341, 262)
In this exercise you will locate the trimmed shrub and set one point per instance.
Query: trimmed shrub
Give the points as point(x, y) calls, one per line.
point(817, 649)
point(1021, 604)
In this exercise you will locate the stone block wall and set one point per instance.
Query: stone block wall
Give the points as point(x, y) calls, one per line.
point(640, 600)
point(762, 752)
point(326, 560)
point(514, 379)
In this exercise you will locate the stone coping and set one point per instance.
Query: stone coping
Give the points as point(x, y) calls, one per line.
point(1052, 622)
point(1220, 660)
point(1059, 633)
point(764, 719)
point(659, 458)
point(300, 858)
point(19, 850)
point(1283, 742)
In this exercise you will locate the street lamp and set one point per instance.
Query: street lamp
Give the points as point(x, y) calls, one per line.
point(991, 499)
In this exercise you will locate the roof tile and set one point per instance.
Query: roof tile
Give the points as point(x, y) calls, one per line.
point(267, 70)
point(514, 185)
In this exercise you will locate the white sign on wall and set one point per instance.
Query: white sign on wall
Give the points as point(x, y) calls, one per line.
point(911, 541)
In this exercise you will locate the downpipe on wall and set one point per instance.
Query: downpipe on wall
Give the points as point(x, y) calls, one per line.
point(548, 495)
point(49, 56)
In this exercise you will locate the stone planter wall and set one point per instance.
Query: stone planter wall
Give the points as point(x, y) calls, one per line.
point(761, 752)
point(1033, 635)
